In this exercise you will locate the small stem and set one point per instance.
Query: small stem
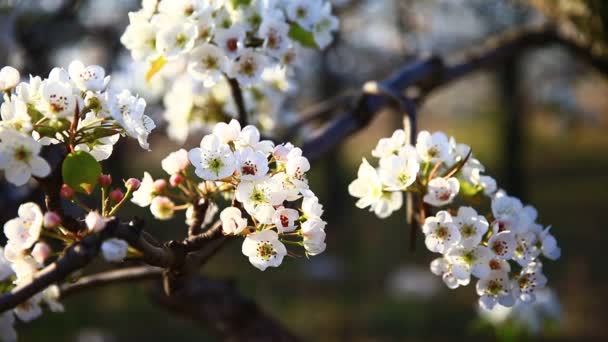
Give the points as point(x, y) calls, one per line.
point(104, 199)
point(122, 201)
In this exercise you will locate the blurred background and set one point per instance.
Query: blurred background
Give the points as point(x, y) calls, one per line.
point(538, 123)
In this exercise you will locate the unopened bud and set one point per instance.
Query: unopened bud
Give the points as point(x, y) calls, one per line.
point(160, 185)
point(95, 222)
point(176, 179)
point(51, 219)
point(104, 180)
point(66, 191)
point(132, 184)
point(117, 195)
point(41, 252)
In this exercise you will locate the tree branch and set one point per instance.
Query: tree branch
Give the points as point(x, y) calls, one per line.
point(237, 95)
point(431, 72)
point(220, 306)
point(123, 275)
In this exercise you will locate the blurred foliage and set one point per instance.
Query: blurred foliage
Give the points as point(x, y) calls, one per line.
point(588, 19)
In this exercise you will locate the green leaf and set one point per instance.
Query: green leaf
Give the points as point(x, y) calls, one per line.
point(237, 3)
point(155, 67)
point(300, 35)
point(80, 171)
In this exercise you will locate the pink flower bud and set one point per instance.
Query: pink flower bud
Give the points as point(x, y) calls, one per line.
point(66, 191)
point(105, 180)
point(51, 219)
point(41, 252)
point(116, 195)
point(175, 180)
point(160, 185)
point(132, 184)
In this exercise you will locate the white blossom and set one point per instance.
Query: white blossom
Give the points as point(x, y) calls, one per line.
point(132, 118)
point(176, 39)
point(22, 232)
point(264, 249)
point(441, 191)
point(285, 219)
point(19, 157)
point(145, 193)
point(441, 233)
point(251, 165)
point(248, 67)
point(14, 114)
point(233, 222)
point(503, 245)
point(175, 162)
point(162, 208)
point(368, 188)
point(472, 226)
point(433, 148)
point(213, 160)
point(207, 63)
point(92, 77)
point(495, 288)
point(313, 232)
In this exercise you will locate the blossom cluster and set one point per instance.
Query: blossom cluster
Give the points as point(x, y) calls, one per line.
point(72, 107)
point(269, 201)
point(240, 39)
point(501, 249)
point(20, 260)
point(191, 107)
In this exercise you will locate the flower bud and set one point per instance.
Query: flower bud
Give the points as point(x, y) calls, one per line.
point(114, 250)
point(51, 219)
point(41, 252)
point(66, 191)
point(116, 195)
point(9, 78)
point(175, 179)
point(132, 184)
point(95, 222)
point(105, 180)
point(160, 185)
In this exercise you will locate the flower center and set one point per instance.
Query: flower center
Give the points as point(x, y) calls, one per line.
point(249, 168)
point(215, 165)
point(248, 67)
point(232, 44)
point(210, 62)
point(22, 154)
point(467, 230)
point(442, 232)
point(495, 264)
point(180, 40)
point(284, 221)
point(500, 247)
point(266, 250)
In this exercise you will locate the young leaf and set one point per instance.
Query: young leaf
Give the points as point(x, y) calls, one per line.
point(300, 35)
point(155, 67)
point(80, 171)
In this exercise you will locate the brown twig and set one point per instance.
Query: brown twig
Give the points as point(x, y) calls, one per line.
point(237, 95)
point(123, 275)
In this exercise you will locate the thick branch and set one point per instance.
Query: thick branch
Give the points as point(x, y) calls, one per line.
point(219, 306)
point(431, 72)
